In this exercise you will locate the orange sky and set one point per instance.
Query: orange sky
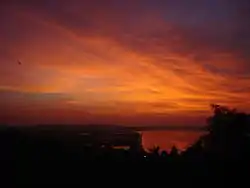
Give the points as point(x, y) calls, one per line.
point(121, 63)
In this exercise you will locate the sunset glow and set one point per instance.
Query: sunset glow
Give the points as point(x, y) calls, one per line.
point(122, 62)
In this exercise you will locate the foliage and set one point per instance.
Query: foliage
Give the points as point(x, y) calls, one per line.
point(227, 129)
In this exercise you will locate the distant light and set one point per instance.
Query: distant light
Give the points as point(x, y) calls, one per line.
point(144, 156)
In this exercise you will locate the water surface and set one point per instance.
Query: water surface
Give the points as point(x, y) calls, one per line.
point(166, 139)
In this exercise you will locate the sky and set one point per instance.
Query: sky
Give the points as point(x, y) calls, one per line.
point(140, 62)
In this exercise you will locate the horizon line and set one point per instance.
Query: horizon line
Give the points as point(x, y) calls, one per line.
point(133, 127)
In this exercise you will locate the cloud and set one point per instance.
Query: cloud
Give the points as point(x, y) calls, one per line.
point(30, 99)
point(126, 57)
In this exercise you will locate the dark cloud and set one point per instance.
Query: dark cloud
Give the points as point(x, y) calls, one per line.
point(203, 26)
point(18, 98)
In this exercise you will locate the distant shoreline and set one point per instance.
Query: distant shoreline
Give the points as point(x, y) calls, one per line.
point(134, 128)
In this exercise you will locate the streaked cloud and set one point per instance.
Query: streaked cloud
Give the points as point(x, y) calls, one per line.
point(126, 59)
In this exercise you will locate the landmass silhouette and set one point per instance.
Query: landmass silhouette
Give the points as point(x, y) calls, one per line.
point(62, 151)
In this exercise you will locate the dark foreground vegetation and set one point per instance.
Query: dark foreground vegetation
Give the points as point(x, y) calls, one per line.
point(48, 156)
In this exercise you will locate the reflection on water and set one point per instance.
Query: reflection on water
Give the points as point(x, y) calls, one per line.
point(166, 139)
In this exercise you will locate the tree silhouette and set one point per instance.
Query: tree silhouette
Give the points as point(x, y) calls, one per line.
point(174, 151)
point(154, 150)
point(228, 131)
